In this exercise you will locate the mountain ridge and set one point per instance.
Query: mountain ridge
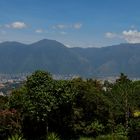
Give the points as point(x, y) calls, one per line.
point(56, 58)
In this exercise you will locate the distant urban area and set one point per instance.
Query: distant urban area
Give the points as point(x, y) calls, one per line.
point(9, 82)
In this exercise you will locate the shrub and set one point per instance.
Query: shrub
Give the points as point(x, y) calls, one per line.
point(16, 137)
point(52, 136)
point(9, 123)
point(95, 128)
point(120, 130)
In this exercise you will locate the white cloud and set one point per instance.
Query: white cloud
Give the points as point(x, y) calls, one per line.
point(16, 25)
point(77, 25)
point(131, 36)
point(110, 35)
point(67, 26)
point(39, 31)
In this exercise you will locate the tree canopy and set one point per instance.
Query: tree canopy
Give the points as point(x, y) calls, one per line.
point(71, 108)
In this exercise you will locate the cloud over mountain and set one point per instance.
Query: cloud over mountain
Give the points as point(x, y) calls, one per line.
point(131, 36)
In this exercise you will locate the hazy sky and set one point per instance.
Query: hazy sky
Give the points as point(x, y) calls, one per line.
point(83, 23)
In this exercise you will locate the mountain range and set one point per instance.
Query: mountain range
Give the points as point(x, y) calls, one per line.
point(56, 58)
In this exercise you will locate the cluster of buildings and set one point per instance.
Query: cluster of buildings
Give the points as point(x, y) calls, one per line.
point(10, 78)
point(10, 81)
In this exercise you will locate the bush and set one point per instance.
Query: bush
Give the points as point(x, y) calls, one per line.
point(95, 128)
point(120, 130)
point(52, 136)
point(9, 123)
point(16, 137)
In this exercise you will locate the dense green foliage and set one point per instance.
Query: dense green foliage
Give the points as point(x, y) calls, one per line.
point(15, 137)
point(44, 108)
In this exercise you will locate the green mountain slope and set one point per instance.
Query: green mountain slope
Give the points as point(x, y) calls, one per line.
point(54, 57)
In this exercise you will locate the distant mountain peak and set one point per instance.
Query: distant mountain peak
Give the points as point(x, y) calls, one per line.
point(45, 41)
point(48, 43)
point(55, 57)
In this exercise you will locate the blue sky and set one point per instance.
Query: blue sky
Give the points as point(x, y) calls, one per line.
point(82, 23)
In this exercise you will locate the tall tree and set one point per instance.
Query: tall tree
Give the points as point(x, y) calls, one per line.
point(121, 94)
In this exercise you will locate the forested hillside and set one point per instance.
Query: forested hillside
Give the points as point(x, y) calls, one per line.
point(56, 58)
